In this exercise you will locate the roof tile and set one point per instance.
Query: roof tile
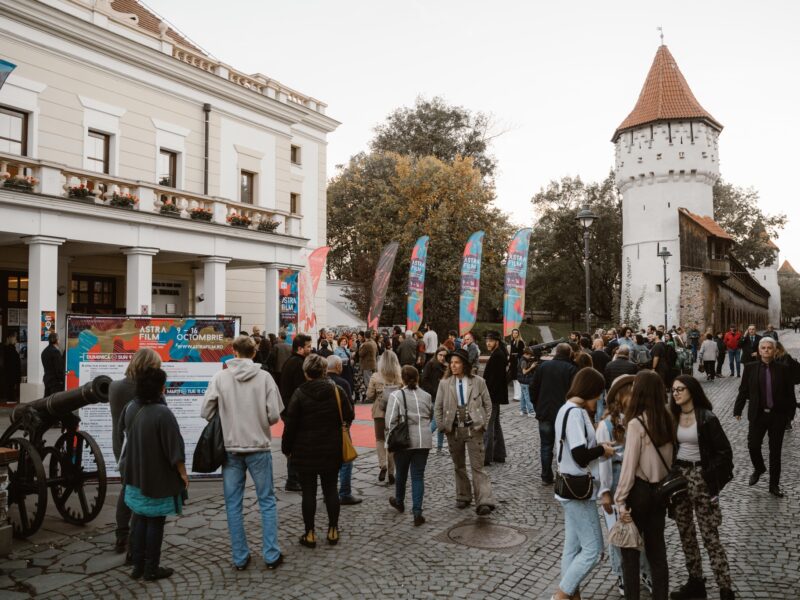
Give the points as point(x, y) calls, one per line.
point(707, 223)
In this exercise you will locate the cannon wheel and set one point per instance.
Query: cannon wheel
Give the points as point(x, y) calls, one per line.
point(26, 480)
point(77, 482)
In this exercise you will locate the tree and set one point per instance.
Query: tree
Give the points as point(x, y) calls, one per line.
point(556, 271)
point(382, 197)
point(433, 128)
point(790, 296)
point(736, 210)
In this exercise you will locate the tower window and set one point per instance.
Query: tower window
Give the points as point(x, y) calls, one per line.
point(658, 156)
point(669, 132)
point(681, 155)
point(658, 287)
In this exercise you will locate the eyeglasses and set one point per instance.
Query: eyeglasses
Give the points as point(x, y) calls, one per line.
point(678, 390)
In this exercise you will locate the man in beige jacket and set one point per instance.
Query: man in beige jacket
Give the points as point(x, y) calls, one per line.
point(463, 408)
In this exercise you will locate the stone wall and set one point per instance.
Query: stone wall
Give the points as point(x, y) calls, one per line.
point(694, 300)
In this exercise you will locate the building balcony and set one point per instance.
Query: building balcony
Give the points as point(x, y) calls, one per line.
point(720, 267)
point(77, 185)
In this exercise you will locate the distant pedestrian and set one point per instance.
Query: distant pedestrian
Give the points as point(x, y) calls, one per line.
point(432, 374)
point(473, 352)
point(53, 363)
point(12, 369)
point(407, 350)
point(412, 405)
point(346, 470)
point(153, 471)
point(496, 376)
point(431, 341)
point(721, 351)
point(248, 403)
point(516, 346)
point(732, 339)
point(770, 332)
point(527, 364)
point(313, 439)
point(381, 384)
point(292, 377)
point(278, 355)
point(368, 357)
point(749, 345)
point(462, 412)
point(708, 357)
point(621, 364)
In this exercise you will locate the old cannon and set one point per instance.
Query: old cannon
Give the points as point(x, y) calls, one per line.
point(73, 467)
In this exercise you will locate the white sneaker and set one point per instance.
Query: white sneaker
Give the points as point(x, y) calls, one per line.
point(647, 582)
point(531, 414)
point(521, 414)
point(620, 587)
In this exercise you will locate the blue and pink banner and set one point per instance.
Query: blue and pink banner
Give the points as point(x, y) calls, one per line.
point(470, 283)
point(416, 283)
point(289, 299)
point(516, 274)
point(5, 70)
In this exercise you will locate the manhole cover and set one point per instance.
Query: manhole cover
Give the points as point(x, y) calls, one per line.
point(486, 535)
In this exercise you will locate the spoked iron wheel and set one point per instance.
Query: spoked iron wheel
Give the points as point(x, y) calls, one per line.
point(77, 477)
point(27, 489)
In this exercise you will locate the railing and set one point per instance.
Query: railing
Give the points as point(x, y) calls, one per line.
point(87, 186)
point(720, 267)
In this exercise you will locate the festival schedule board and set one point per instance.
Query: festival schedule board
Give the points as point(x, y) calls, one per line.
point(192, 350)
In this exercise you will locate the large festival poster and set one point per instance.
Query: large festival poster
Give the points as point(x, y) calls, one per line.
point(288, 299)
point(470, 283)
point(192, 349)
point(416, 284)
point(516, 274)
point(380, 283)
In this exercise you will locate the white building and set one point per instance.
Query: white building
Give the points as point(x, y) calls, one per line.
point(120, 103)
point(768, 277)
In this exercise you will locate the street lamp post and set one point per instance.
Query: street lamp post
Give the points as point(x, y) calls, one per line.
point(586, 217)
point(664, 254)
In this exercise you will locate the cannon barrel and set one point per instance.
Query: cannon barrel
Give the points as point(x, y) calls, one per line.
point(63, 403)
point(547, 345)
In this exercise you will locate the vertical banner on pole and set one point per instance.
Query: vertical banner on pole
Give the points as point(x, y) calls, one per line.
point(416, 284)
point(470, 283)
point(5, 70)
point(379, 284)
point(516, 274)
point(288, 301)
point(308, 284)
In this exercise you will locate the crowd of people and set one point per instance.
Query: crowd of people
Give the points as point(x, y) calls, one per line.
point(629, 426)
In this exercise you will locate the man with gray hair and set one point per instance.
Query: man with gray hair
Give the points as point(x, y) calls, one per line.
point(620, 365)
point(346, 470)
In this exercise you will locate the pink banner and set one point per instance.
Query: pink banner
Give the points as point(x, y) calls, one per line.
point(470, 283)
point(309, 282)
point(516, 274)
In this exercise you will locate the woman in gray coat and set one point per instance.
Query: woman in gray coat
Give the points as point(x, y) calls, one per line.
point(414, 404)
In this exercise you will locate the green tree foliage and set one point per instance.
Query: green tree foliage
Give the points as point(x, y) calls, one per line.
point(736, 210)
point(382, 197)
point(790, 296)
point(434, 128)
point(556, 275)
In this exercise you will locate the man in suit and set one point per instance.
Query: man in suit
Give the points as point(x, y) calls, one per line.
point(768, 387)
point(496, 381)
point(551, 382)
point(749, 345)
point(53, 363)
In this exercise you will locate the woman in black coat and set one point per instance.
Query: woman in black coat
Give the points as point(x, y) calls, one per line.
point(516, 346)
point(432, 374)
point(312, 438)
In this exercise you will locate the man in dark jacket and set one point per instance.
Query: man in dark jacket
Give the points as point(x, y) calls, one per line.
point(12, 368)
point(600, 357)
point(496, 382)
point(292, 377)
point(772, 403)
point(620, 365)
point(53, 363)
point(407, 350)
point(749, 345)
point(551, 382)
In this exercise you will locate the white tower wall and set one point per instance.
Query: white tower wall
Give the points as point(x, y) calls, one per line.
point(768, 277)
point(659, 169)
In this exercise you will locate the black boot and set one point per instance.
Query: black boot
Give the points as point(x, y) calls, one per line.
point(152, 571)
point(693, 589)
point(727, 595)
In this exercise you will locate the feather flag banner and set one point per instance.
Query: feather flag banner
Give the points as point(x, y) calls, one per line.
point(516, 275)
point(470, 283)
point(416, 283)
point(5, 70)
point(308, 284)
point(380, 283)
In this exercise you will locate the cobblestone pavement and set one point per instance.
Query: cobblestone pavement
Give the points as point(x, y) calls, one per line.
point(382, 555)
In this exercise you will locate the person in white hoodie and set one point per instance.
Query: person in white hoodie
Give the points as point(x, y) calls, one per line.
point(248, 402)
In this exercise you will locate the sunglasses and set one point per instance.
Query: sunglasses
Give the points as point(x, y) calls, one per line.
point(678, 390)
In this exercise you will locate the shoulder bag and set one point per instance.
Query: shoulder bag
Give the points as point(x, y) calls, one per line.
point(571, 487)
point(399, 437)
point(209, 454)
point(349, 453)
point(674, 486)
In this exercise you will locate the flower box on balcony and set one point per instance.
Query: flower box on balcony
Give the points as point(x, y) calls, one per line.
point(201, 214)
point(123, 200)
point(20, 183)
point(80, 191)
point(268, 225)
point(168, 208)
point(237, 220)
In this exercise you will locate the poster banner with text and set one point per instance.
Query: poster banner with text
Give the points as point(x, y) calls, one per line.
point(48, 324)
point(470, 283)
point(416, 284)
point(516, 274)
point(288, 301)
point(193, 350)
point(308, 283)
point(380, 283)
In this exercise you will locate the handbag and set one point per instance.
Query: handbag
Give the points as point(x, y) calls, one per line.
point(674, 486)
point(209, 454)
point(399, 437)
point(625, 535)
point(349, 453)
point(571, 487)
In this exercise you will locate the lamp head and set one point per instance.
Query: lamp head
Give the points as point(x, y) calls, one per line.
point(586, 217)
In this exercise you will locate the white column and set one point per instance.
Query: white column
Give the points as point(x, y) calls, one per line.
point(272, 306)
point(139, 280)
point(63, 298)
point(42, 296)
point(214, 284)
point(199, 306)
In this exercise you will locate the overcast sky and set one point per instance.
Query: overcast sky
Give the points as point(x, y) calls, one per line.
point(558, 76)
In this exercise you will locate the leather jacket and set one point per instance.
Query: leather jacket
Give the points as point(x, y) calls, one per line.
point(716, 456)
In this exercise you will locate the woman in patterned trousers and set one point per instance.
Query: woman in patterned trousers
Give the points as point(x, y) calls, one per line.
point(706, 460)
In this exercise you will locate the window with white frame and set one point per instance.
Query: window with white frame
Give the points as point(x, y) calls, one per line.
point(247, 186)
point(98, 151)
point(13, 131)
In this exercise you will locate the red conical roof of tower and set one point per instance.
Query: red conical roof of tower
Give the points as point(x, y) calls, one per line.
point(665, 96)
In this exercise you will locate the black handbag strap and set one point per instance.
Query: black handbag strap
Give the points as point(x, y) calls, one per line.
point(647, 431)
point(564, 432)
point(405, 406)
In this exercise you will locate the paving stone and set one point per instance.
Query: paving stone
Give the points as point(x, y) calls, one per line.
point(14, 595)
point(104, 562)
point(11, 565)
point(79, 546)
point(52, 581)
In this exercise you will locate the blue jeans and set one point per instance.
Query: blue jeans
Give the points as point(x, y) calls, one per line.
point(416, 459)
point(601, 407)
point(583, 542)
point(259, 464)
point(525, 404)
point(547, 439)
point(439, 434)
point(734, 355)
point(345, 475)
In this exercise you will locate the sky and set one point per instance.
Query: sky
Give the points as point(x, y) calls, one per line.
point(558, 77)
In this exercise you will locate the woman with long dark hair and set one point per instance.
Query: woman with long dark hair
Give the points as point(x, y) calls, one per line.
point(516, 346)
point(706, 461)
point(649, 446)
